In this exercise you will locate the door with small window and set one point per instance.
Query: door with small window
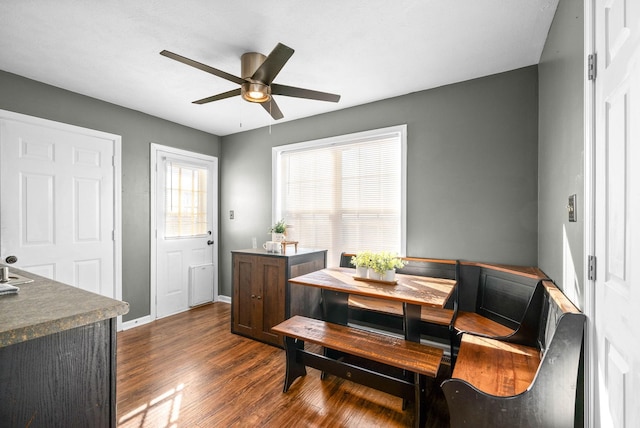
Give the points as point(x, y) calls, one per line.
point(185, 198)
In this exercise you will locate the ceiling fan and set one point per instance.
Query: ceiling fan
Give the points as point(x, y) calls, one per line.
point(256, 82)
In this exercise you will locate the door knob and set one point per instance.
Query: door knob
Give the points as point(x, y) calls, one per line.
point(11, 260)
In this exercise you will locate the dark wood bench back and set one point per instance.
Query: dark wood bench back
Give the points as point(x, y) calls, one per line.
point(503, 296)
point(528, 331)
point(436, 268)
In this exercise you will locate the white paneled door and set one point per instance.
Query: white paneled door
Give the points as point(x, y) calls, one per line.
point(617, 215)
point(184, 243)
point(58, 200)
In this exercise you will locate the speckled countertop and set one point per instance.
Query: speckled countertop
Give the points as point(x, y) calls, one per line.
point(44, 307)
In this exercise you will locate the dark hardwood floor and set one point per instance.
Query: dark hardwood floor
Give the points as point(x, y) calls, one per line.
point(188, 370)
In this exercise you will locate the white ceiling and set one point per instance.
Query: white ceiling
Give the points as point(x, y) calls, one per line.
point(364, 50)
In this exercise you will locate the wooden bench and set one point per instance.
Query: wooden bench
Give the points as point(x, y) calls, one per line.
point(500, 382)
point(418, 361)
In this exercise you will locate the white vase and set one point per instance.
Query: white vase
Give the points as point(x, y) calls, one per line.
point(361, 271)
point(278, 237)
point(372, 274)
point(389, 275)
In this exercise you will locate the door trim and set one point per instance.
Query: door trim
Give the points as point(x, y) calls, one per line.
point(153, 241)
point(117, 190)
point(590, 348)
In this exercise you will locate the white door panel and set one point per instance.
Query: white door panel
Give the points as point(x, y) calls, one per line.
point(58, 202)
point(179, 248)
point(617, 214)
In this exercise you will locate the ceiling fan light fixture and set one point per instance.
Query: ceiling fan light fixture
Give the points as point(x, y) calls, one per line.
point(256, 92)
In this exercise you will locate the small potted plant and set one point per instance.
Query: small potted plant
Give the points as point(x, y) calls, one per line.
point(278, 231)
point(362, 262)
point(385, 264)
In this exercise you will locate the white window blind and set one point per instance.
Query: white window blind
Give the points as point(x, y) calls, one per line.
point(345, 193)
point(185, 200)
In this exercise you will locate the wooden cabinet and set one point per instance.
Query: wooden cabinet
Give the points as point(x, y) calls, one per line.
point(262, 296)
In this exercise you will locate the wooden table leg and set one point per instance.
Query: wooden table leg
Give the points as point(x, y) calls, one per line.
point(335, 309)
point(412, 322)
point(411, 318)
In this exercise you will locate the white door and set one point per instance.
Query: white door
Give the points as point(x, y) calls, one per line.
point(617, 215)
point(59, 204)
point(185, 233)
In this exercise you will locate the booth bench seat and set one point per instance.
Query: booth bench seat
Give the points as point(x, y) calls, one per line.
point(498, 382)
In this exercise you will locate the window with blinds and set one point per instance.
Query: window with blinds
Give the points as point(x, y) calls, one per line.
point(344, 193)
point(185, 200)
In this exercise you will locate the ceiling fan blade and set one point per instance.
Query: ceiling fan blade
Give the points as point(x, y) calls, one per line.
point(272, 65)
point(272, 108)
point(292, 91)
point(221, 96)
point(203, 67)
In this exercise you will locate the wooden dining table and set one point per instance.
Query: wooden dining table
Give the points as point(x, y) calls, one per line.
point(412, 291)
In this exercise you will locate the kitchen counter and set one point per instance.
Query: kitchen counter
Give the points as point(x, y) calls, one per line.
point(57, 355)
point(44, 307)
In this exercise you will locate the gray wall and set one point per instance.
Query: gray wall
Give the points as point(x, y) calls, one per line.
point(138, 130)
point(472, 169)
point(561, 155)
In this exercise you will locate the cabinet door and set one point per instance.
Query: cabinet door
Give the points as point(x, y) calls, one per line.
point(270, 288)
point(243, 288)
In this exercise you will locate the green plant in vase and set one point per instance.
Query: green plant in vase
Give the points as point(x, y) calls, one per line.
point(385, 264)
point(362, 261)
point(278, 231)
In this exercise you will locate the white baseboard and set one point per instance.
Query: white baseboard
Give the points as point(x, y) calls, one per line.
point(147, 319)
point(136, 322)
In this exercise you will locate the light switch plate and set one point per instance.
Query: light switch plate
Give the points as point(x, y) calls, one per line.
point(572, 208)
point(231, 215)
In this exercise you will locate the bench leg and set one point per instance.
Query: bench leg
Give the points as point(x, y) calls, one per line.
point(295, 369)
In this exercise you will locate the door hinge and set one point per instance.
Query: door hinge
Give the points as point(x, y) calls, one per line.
point(592, 268)
point(592, 64)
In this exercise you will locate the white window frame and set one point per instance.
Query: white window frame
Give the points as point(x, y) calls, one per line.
point(344, 140)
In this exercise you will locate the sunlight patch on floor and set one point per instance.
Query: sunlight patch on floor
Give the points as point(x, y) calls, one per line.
point(161, 412)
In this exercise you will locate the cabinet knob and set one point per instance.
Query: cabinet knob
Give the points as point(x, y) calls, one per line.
point(253, 296)
point(259, 297)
